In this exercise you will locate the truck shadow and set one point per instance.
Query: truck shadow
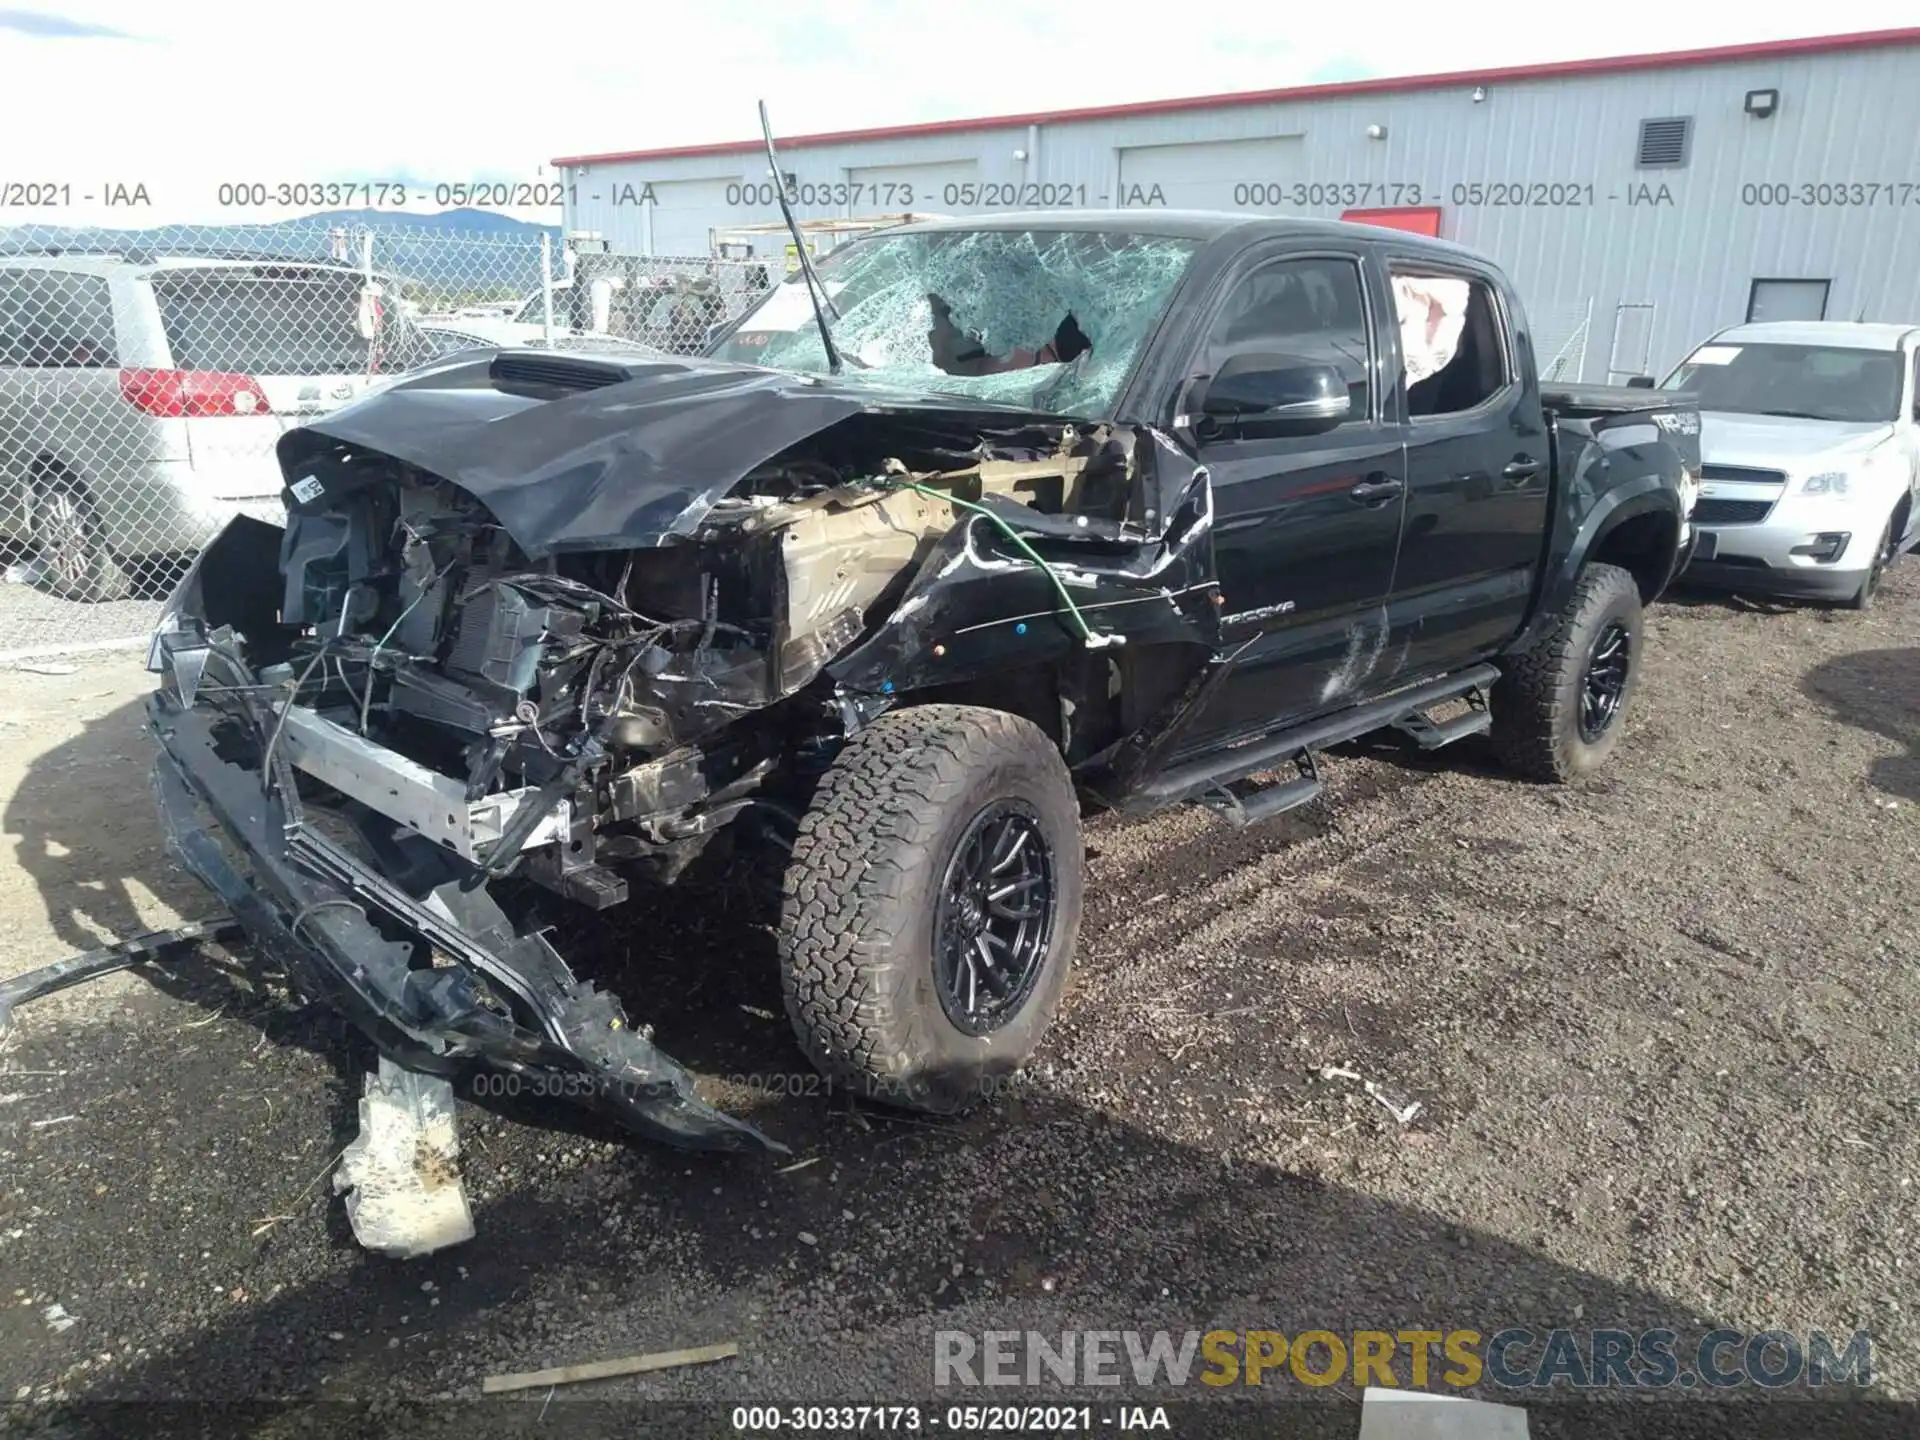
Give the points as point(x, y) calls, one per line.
point(1877, 691)
point(1123, 1229)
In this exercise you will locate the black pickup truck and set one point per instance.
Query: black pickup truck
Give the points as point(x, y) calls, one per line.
point(999, 520)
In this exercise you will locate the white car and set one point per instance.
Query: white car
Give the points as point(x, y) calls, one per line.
point(1810, 451)
point(141, 397)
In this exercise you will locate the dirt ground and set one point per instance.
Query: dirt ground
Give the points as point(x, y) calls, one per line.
point(1661, 1028)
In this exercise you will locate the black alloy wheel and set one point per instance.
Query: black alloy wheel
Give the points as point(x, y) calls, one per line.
point(1605, 681)
point(994, 919)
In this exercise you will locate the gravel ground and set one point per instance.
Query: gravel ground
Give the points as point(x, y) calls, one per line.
point(1659, 1026)
point(32, 621)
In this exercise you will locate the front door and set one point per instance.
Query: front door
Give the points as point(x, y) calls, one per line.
point(1305, 526)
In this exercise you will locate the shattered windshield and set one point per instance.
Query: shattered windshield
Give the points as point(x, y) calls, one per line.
point(1048, 320)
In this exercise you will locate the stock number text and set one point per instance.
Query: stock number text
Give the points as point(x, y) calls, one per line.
point(330, 194)
point(1822, 193)
point(809, 1419)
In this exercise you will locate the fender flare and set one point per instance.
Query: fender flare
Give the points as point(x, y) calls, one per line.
point(1643, 495)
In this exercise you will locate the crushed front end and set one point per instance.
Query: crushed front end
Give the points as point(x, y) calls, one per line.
point(566, 638)
point(354, 800)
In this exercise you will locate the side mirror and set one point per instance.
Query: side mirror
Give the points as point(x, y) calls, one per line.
point(1303, 396)
point(1640, 382)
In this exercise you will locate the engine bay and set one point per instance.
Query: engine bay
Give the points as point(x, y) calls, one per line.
point(615, 681)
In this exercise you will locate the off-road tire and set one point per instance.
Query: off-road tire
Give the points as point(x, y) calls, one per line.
point(1536, 701)
point(856, 932)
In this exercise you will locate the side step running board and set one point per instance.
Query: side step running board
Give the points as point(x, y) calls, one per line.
point(1213, 772)
point(1241, 810)
point(1431, 734)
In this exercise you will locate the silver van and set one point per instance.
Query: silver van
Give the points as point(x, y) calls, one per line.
point(141, 396)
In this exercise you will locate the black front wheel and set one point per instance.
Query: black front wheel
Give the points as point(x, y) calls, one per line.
point(931, 906)
point(1557, 707)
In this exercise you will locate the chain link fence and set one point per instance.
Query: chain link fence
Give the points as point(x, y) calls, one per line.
point(145, 379)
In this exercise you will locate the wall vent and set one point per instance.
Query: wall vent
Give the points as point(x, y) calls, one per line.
point(1663, 143)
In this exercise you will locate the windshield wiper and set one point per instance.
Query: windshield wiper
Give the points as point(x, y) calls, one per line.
point(1793, 414)
point(816, 292)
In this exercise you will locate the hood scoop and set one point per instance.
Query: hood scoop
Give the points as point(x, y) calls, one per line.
point(543, 377)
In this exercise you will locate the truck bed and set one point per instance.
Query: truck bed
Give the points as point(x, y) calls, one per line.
point(1617, 416)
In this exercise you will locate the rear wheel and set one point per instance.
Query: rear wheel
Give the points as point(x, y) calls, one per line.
point(1557, 708)
point(71, 544)
point(932, 905)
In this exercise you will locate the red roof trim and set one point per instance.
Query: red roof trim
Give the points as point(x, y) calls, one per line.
point(1416, 219)
point(1718, 55)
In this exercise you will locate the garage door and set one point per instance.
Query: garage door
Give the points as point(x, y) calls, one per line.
point(929, 185)
point(1212, 175)
point(685, 211)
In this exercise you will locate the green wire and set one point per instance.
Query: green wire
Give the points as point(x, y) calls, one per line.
point(1006, 529)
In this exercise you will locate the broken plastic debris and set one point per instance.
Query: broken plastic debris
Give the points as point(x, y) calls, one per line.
point(1387, 1414)
point(57, 1317)
point(1404, 1116)
point(402, 1169)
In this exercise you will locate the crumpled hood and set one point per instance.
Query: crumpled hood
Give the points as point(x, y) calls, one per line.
point(1781, 442)
point(629, 464)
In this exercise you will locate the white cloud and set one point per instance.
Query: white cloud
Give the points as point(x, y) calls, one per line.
point(432, 92)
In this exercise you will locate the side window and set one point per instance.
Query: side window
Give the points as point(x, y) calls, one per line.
point(1450, 343)
point(56, 319)
point(1310, 308)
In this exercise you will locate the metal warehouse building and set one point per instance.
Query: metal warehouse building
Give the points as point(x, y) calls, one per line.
point(1639, 202)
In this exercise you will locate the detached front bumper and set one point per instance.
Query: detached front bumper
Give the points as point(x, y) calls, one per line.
point(424, 962)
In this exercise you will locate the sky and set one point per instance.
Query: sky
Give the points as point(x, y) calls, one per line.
point(186, 96)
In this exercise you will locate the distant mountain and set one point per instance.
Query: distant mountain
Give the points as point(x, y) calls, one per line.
point(453, 249)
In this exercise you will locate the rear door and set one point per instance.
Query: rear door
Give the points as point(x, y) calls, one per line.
point(269, 347)
point(1305, 526)
point(1479, 466)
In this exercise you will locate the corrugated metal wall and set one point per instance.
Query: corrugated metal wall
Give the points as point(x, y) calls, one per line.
point(1590, 228)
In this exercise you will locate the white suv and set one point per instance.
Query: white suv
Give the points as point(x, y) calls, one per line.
point(141, 397)
point(1810, 450)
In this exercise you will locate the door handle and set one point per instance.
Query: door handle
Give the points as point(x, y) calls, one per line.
point(1372, 490)
point(1524, 468)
